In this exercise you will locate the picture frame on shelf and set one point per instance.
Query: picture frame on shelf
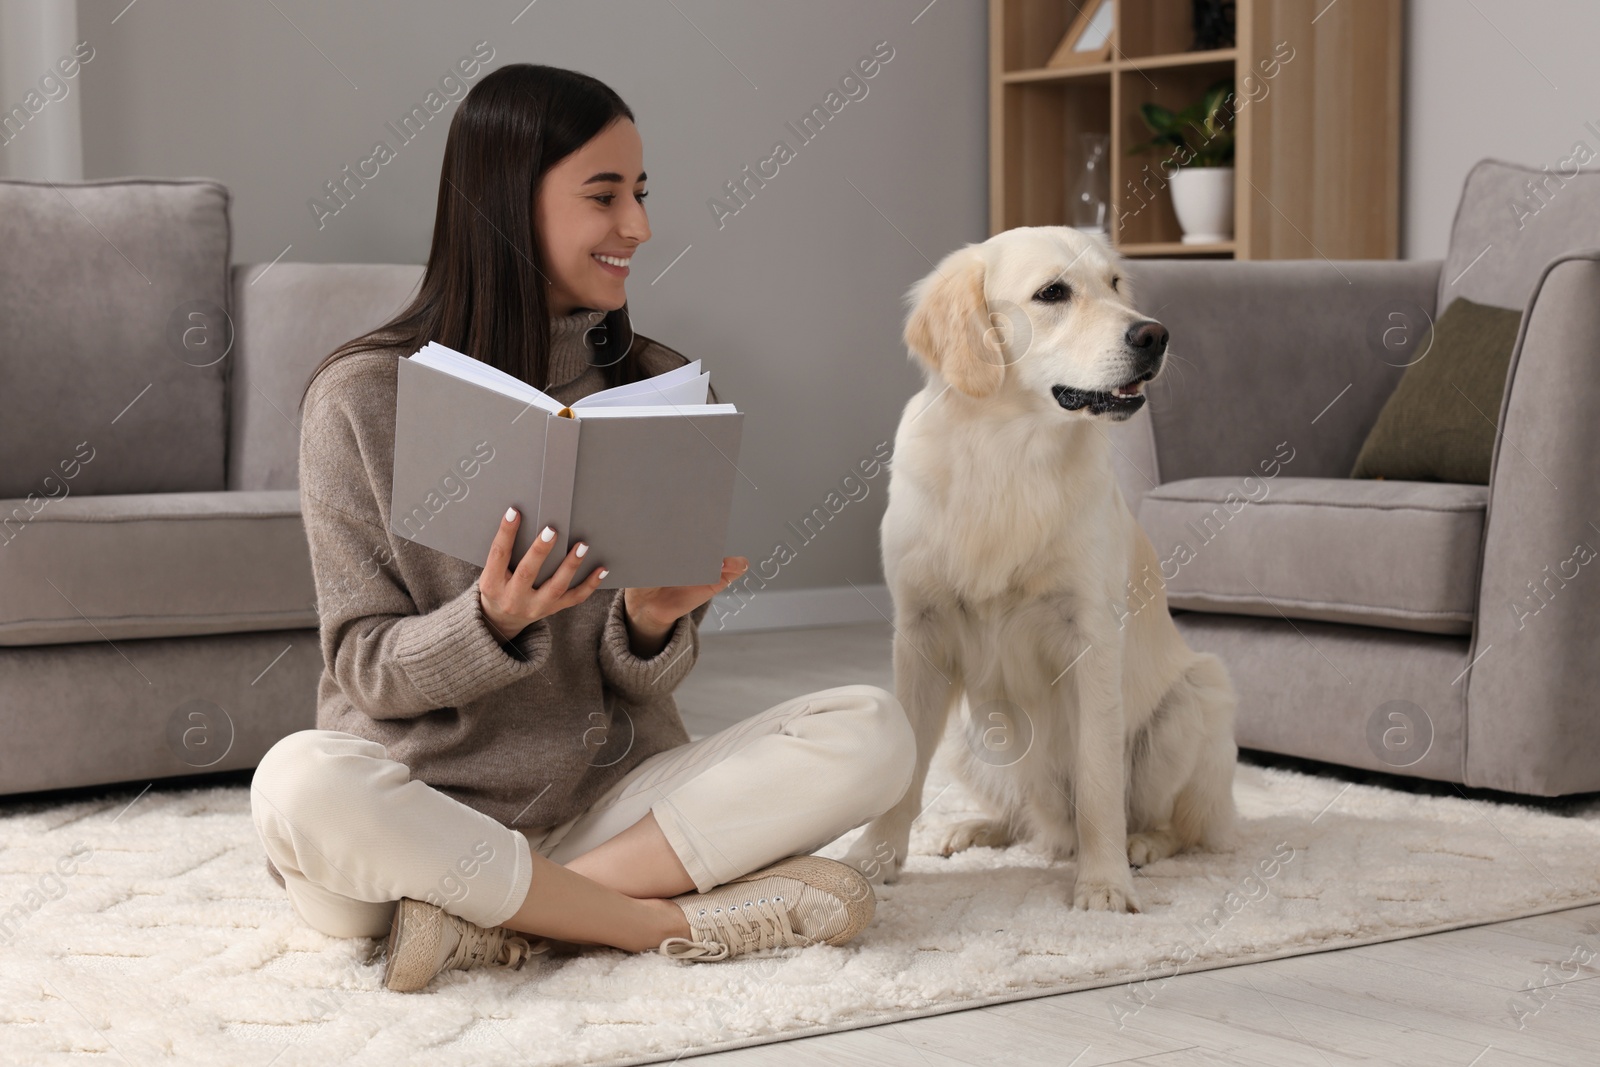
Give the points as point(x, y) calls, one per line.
point(1088, 39)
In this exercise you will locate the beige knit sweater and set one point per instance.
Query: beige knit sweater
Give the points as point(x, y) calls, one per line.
point(530, 733)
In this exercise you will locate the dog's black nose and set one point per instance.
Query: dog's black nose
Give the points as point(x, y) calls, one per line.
point(1148, 339)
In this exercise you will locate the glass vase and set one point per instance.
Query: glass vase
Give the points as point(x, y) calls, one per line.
point(1089, 205)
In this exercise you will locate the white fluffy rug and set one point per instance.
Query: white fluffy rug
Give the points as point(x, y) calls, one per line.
point(161, 939)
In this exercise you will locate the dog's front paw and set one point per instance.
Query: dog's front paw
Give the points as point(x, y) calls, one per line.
point(874, 858)
point(974, 833)
point(1105, 895)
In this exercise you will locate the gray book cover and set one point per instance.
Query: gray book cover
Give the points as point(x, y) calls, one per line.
point(650, 494)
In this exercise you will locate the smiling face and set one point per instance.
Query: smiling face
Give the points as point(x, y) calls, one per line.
point(589, 215)
point(1043, 314)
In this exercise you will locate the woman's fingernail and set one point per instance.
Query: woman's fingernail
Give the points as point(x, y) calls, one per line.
point(547, 534)
point(581, 550)
point(602, 572)
point(511, 514)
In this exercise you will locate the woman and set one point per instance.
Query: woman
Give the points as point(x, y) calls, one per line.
point(499, 765)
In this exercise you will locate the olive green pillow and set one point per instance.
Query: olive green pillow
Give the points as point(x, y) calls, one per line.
point(1439, 425)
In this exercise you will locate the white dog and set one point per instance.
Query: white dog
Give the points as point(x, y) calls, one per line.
point(1008, 548)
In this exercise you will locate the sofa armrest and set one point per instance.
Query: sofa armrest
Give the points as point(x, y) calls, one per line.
point(1532, 722)
point(1265, 352)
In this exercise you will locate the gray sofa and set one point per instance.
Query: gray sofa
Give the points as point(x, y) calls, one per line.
point(1450, 632)
point(157, 611)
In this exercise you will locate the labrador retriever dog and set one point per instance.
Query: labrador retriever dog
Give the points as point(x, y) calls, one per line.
point(1086, 724)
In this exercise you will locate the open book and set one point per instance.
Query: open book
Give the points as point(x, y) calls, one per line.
point(642, 472)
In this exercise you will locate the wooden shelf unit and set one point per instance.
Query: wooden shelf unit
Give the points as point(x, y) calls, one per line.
point(1317, 130)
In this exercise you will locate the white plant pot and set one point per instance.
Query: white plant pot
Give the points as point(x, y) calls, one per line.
point(1203, 200)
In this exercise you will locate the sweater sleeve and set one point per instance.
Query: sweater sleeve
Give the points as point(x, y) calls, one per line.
point(390, 661)
point(640, 680)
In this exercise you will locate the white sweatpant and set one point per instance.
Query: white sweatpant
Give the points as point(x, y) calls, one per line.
point(352, 833)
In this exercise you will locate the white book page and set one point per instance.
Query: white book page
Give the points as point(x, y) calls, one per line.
point(685, 386)
point(463, 366)
point(689, 393)
point(655, 409)
point(689, 372)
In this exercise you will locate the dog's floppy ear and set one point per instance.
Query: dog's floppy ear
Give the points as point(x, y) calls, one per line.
point(949, 328)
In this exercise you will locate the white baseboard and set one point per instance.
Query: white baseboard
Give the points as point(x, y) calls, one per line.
point(784, 609)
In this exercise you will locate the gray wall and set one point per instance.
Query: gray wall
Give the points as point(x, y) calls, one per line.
point(795, 304)
point(1508, 79)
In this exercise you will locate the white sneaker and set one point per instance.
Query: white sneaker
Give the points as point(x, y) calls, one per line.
point(802, 900)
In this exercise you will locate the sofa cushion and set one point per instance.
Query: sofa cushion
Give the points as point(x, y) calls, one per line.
point(113, 335)
point(1511, 220)
point(1401, 555)
point(90, 568)
point(1439, 424)
point(1275, 345)
point(287, 317)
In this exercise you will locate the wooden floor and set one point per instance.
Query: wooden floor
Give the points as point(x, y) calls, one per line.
point(1452, 999)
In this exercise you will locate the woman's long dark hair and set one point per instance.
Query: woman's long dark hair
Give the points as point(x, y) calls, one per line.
point(484, 289)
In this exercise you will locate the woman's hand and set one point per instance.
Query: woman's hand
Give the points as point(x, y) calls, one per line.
point(651, 611)
point(511, 602)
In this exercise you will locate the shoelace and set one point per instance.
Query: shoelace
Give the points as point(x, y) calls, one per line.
point(499, 946)
point(753, 926)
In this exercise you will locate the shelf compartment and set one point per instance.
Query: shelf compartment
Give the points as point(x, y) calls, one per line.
point(1142, 201)
point(1030, 31)
point(1040, 151)
point(1154, 27)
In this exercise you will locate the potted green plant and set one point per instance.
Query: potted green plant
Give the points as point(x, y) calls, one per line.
point(1201, 162)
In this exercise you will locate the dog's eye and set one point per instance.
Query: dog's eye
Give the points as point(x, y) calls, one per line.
point(1114, 282)
point(1054, 293)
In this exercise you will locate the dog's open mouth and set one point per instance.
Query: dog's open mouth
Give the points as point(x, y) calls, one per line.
point(1119, 403)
